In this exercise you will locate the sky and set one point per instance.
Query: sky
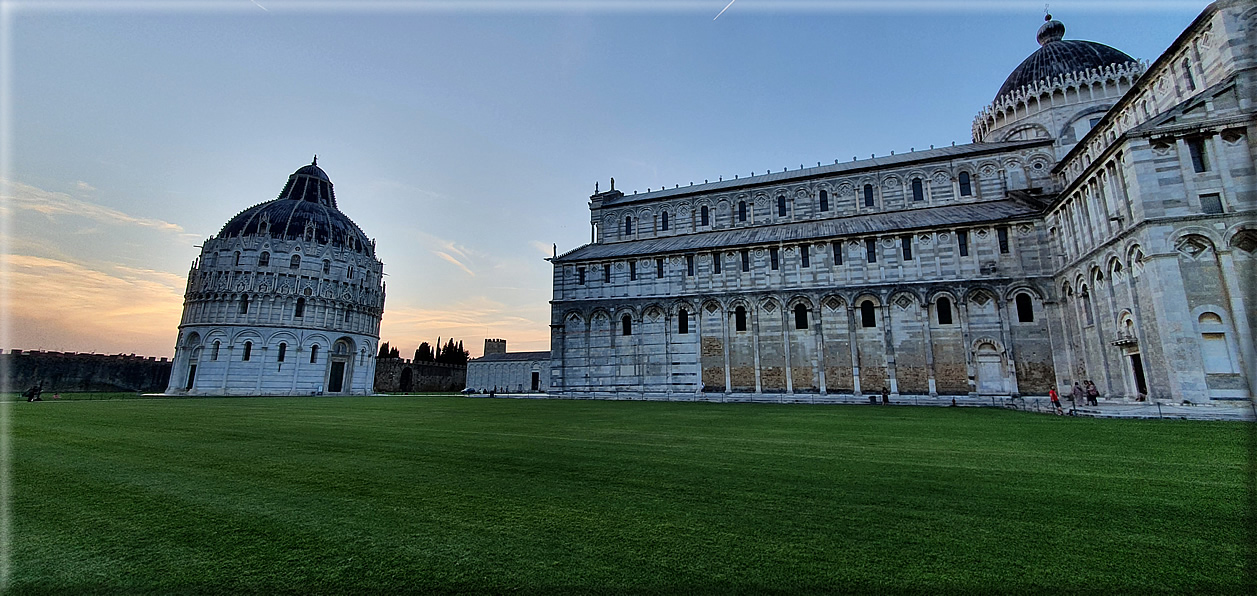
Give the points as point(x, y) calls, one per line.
point(464, 137)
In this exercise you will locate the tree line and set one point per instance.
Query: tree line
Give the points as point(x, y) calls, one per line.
point(449, 353)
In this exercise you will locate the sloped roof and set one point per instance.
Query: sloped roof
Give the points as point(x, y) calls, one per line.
point(947, 215)
point(941, 153)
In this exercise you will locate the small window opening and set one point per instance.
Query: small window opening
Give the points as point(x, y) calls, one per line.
point(683, 322)
point(746, 260)
point(283, 351)
point(294, 262)
point(868, 195)
point(962, 240)
point(689, 265)
point(838, 252)
point(741, 211)
point(300, 310)
point(868, 314)
point(626, 324)
point(739, 318)
point(918, 190)
point(632, 270)
point(1200, 157)
point(580, 276)
point(664, 221)
point(1211, 203)
point(715, 263)
point(1002, 234)
point(264, 259)
point(704, 216)
point(628, 226)
point(314, 353)
point(805, 258)
point(1025, 309)
point(800, 316)
point(214, 352)
point(906, 244)
point(773, 255)
point(248, 351)
point(870, 250)
point(781, 206)
point(966, 185)
point(659, 268)
point(943, 306)
point(237, 258)
point(327, 266)
point(824, 200)
point(244, 304)
point(1187, 75)
point(606, 273)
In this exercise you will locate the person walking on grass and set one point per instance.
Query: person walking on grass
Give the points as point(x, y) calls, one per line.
point(1056, 401)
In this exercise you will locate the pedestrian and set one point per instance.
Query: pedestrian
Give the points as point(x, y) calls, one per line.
point(885, 396)
point(1076, 395)
point(1092, 394)
point(1056, 401)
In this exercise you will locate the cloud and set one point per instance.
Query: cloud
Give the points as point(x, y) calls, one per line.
point(29, 198)
point(447, 257)
point(83, 186)
point(542, 247)
point(59, 305)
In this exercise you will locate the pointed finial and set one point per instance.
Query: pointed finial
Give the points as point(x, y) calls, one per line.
point(316, 160)
point(595, 187)
point(613, 184)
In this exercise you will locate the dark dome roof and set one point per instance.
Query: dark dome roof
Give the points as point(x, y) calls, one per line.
point(1059, 57)
point(307, 201)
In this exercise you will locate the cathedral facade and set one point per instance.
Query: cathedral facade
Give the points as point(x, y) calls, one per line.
point(1100, 227)
point(285, 300)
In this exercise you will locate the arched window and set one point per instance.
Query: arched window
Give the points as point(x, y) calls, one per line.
point(314, 353)
point(1086, 306)
point(248, 351)
point(943, 306)
point(739, 318)
point(870, 249)
point(868, 314)
point(214, 352)
point(1025, 309)
point(300, 310)
point(918, 190)
point(626, 325)
point(800, 316)
point(327, 266)
point(264, 259)
point(348, 314)
point(351, 272)
point(741, 210)
point(628, 226)
point(704, 216)
point(781, 206)
point(683, 321)
point(868, 195)
point(805, 255)
point(237, 258)
point(966, 186)
point(824, 200)
point(837, 252)
point(664, 220)
point(294, 262)
point(283, 351)
point(244, 304)
point(746, 259)
point(340, 349)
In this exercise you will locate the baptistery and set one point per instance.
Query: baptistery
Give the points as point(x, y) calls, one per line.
point(285, 300)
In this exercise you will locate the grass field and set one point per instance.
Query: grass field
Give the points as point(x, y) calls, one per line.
point(448, 494)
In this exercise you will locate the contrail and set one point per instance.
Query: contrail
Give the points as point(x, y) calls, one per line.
point(722, 11)
point(259, 5)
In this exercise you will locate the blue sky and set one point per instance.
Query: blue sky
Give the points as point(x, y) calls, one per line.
point(465, 138)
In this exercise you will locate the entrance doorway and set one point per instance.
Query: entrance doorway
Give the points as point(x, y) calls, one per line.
point(191, 377)
point(1137, 369)
point(337, 380)
point(408, 380)
point(990, 370)
point(536, 381)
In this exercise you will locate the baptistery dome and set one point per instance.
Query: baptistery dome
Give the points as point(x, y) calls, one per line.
point(285, 300)
point(1058, 57)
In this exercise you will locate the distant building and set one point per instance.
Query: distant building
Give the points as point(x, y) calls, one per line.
point(398, 375)
point(285, 300)
point(508, 372)
point(1101, 226)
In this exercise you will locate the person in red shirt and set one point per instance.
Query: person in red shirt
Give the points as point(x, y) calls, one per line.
point(1056, 401)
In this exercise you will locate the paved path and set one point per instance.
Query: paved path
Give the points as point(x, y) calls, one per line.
point(1107, 408)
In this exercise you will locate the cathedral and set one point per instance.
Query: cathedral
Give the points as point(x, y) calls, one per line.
point(285, 300)
point(1099, 228)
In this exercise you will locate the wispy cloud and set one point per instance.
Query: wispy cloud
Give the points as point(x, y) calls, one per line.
point(456, 254)
point(83, 186)
point(61, 305)
point(446, 256)
point(29, 198)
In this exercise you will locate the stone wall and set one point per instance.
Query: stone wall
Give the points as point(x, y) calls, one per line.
point(398, 375)
point(70, 371)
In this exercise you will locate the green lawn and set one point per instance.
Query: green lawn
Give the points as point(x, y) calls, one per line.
point(447, 494)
